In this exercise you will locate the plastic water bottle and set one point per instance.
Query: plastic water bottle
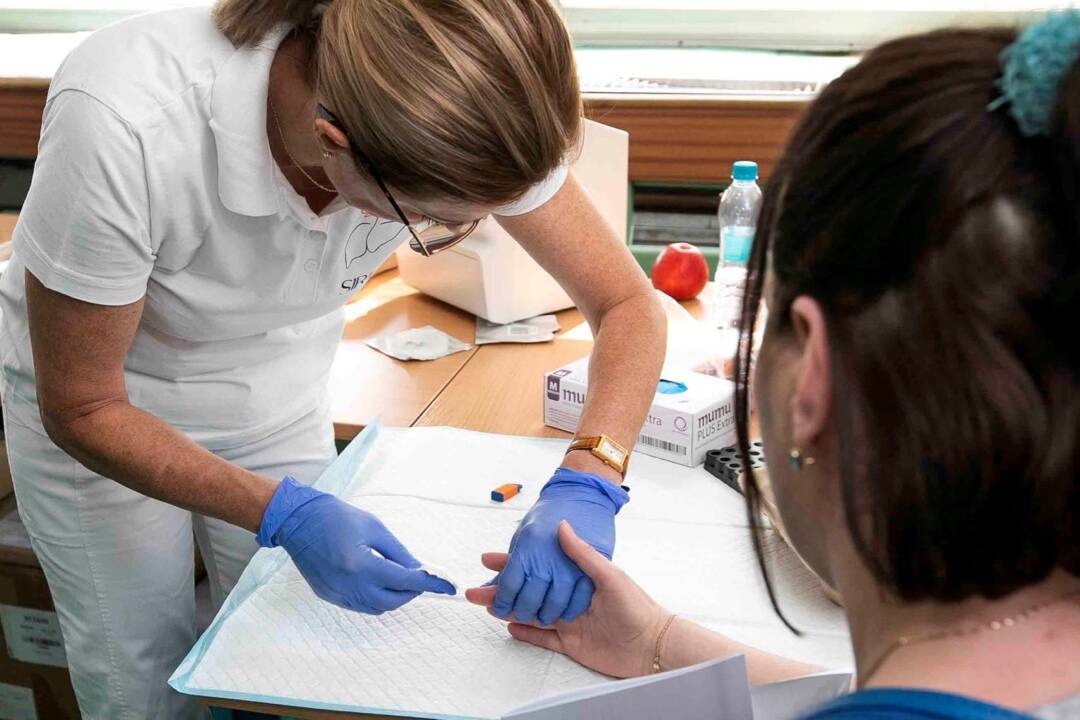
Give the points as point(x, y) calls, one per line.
point(739, 208)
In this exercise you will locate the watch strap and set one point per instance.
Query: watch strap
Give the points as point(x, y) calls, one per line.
point(592, 444)
point(586, 443)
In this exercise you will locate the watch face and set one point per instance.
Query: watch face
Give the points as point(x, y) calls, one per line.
point(615, 454)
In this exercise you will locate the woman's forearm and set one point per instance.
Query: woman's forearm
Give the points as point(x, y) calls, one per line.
point(136, 449)
point(623, 372)
point(79, 350)
point(687, 643)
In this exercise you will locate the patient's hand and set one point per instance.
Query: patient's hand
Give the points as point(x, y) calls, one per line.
point(615, 636)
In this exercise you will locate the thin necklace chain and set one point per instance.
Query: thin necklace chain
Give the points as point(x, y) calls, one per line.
point(285, 146)
point(991, 626)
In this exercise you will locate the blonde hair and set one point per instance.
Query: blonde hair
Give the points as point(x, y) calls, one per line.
point(473, 100)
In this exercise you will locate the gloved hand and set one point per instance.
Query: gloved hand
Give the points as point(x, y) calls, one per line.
point(347, 556)
point(539, 583)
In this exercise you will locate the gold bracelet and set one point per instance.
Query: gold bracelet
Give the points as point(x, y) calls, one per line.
point(659, 642)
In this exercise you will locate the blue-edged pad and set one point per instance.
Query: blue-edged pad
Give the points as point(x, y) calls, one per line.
point(334, 480)
point(275, 642)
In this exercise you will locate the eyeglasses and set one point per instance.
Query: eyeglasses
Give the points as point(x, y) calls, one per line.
point(433, 236)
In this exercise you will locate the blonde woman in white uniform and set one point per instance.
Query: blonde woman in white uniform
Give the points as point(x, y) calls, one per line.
point(210, 189)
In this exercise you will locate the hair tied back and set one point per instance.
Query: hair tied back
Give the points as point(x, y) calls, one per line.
point(1033, 67)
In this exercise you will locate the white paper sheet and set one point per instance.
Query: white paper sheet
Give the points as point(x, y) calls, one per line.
point(714, 690)
point(792, 699)
point(682, 537)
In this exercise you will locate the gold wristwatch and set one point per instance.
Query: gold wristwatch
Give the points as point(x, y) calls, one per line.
point(607, 450)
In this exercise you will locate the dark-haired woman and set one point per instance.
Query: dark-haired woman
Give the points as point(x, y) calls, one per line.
point(918, 385)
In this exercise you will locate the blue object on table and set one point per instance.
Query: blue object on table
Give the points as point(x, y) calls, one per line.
point(670, 387)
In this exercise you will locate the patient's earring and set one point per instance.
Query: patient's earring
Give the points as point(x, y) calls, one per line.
point(327, 154)
point(796, 459)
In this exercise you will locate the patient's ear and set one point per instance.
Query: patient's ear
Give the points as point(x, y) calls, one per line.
point(812, 397)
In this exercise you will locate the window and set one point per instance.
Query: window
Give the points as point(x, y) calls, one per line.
point(809, 25)
point(43, 16)
point(816, 25)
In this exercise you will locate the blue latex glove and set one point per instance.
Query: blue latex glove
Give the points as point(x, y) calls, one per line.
point(539, 582)
point(347, 555)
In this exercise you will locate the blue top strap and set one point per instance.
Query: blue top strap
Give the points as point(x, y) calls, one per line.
point(900, 704)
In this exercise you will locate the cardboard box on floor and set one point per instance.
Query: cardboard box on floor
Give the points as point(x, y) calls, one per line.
point(34, 680)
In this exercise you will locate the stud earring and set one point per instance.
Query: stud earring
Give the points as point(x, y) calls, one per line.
point(327, 154)
point(796, 459)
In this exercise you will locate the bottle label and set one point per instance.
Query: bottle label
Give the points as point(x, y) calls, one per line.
point(735, 243)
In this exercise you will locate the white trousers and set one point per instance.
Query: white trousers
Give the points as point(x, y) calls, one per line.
point(120, 564)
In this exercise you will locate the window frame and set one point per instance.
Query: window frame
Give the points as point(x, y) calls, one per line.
point(807, 30)
point(594, 23)
point(27, 16)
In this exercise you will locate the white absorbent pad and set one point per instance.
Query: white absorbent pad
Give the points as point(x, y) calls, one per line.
point(683, 537)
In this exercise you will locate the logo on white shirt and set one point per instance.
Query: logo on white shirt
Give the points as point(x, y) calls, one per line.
point(368, 238)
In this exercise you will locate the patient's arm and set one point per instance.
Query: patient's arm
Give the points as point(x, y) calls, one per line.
point(618, 635)
point(687, 643)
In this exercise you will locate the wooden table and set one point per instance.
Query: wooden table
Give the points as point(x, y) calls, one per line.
point(7, 225)
point(500, 389)
point(365, 384)
point(491, 388)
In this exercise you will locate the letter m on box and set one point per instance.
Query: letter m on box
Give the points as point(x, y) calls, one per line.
point(554, 383)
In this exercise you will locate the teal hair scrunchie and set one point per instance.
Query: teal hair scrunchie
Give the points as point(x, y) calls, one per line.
point(1033, 67)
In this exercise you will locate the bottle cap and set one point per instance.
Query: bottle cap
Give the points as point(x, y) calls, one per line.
point(744, 170)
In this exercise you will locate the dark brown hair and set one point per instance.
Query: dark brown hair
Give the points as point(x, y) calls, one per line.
point(472, 100)
point(944, 249)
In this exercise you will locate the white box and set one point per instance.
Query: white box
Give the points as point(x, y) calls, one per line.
point(681, 426)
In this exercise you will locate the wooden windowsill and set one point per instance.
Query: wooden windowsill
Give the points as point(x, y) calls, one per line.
point(673, 138)
point(695, 139)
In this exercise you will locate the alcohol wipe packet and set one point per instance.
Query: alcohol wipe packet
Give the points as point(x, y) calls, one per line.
point(424, 343)
point(538, 329)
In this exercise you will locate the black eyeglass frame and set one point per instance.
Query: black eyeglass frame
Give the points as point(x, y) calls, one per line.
point(417, 244)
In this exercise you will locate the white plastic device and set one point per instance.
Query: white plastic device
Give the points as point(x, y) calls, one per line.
point(490, 275)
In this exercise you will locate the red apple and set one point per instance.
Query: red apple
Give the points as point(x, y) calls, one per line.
point(680, 271)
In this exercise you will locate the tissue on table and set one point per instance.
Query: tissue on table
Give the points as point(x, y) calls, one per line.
point(425, 343)
point(533, 330)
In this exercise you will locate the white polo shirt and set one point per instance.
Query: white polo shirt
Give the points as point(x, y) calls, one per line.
point(154, 179)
